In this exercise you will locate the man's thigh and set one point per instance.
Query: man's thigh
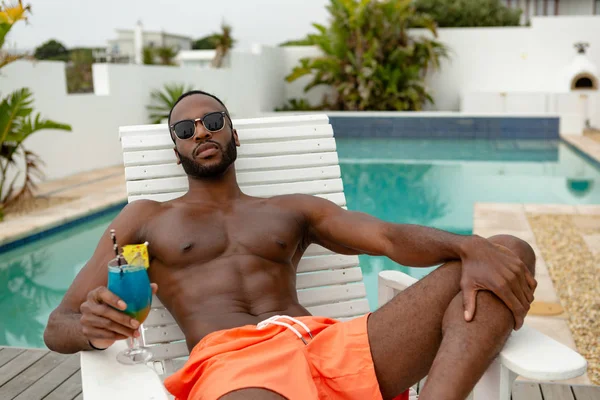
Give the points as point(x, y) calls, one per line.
point(252, 394)
point(406, 333)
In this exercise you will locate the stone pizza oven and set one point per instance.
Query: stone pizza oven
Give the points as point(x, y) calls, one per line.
point(582, 73)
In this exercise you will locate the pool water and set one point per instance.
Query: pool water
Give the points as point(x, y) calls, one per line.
point(434, 183)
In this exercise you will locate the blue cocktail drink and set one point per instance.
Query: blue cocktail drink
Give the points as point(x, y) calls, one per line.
point(132, 285)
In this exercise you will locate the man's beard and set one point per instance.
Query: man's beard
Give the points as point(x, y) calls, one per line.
point(196, 170)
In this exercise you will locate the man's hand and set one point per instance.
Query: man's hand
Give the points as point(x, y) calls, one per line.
point(487, 266)
point(102, 323)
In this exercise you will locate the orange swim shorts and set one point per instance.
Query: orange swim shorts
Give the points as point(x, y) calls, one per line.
point(334, 364)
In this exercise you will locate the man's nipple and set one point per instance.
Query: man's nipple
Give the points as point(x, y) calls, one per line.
point(186, 247)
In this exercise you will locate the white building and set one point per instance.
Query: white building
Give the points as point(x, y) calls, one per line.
point(123, 48)
point(196, 58)
point(535, 8)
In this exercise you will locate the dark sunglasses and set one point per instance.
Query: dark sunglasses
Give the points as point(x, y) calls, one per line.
point(213, 122)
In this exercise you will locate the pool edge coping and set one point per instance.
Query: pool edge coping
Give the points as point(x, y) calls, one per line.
point(62, 222)
point(579, 149)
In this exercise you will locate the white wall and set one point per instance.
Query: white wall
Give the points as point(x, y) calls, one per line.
point(527, 59)
point(122, 93)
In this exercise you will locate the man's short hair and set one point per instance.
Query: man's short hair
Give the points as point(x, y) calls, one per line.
point(191, 92)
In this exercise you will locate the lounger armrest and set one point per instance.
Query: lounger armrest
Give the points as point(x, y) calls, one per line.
point(533, 355)
point(528, 352)
point(103, 377)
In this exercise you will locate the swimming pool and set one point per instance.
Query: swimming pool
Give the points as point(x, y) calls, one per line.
point(426, 182)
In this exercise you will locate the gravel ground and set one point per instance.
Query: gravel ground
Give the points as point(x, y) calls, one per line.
point(575, 272)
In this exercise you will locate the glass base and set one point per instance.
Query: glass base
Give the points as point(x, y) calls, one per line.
point(134, 356)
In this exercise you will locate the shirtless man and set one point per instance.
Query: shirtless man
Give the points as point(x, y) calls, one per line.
point(224, 261)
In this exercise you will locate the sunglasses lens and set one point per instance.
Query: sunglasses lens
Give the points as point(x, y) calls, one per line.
point(184, 129)
point(213, 122)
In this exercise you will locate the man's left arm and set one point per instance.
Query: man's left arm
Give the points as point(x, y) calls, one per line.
point(351, 232)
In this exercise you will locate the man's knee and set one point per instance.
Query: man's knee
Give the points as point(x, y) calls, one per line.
point(518, 246)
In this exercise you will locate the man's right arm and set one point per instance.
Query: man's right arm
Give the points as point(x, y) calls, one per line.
point(87, 316)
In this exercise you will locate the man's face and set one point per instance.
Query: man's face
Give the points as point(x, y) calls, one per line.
point(206, 154)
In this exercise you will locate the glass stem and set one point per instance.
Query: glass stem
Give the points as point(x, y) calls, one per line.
point(133, 343)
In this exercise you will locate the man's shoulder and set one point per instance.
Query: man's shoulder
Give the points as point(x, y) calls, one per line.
point(142, 210)
point(303, 203)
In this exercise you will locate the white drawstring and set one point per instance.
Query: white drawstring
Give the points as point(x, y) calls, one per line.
point(274, 321)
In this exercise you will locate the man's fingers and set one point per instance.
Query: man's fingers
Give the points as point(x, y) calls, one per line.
point(469, 300)
point(103, 295)
point(526, 280)
point(114, 315)
point(98, 333)
point(154, 287)
point(97, 322)
point(513, 303)
point(530, 280)
point(519, 287)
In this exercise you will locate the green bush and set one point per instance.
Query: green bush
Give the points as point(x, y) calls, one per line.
point(297, 105)
point(369, 57)
point(52, 50)
point(469, 13)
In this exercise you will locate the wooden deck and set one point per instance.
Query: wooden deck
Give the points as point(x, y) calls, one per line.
point(39, 374)
point(35, 374)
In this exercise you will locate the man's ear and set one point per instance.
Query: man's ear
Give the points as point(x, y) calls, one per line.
point(236, 138)
point(177, 155)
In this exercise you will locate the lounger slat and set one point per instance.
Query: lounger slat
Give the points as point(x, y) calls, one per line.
point(239, 124)
point(247, 136)
point(318, 263)
point(169, 351)
point(159, 316)
point(165, 156)
point(337, 198)
point(311, 187)
point(163, 334)
point(331, 294)
point(324, 278)
point(342, 309)
point(164, 185)
point(316, 250)
point(242, 166)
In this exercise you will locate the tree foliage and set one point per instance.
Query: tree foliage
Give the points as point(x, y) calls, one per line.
point(52, 50)
point(18, 122)
point(469, 13)
point(162, 100)
point(370, 59)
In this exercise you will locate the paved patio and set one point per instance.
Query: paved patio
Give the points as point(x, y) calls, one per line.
point(88, 192)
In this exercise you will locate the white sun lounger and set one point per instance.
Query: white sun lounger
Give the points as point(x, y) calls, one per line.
point(283, 155)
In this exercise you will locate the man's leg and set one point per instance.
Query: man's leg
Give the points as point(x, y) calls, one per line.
point(252, 394)
point(422, 331)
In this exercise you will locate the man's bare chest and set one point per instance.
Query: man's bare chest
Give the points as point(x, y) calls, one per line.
point(195, 236)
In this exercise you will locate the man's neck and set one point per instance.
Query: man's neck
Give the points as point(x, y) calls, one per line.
point(221, 189)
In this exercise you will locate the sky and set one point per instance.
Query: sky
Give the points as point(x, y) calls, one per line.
point(92, 22)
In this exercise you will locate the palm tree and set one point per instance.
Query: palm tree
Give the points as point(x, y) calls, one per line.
point(9, 15)
point(17, 123)
point(163, 100)
point(223, 43)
